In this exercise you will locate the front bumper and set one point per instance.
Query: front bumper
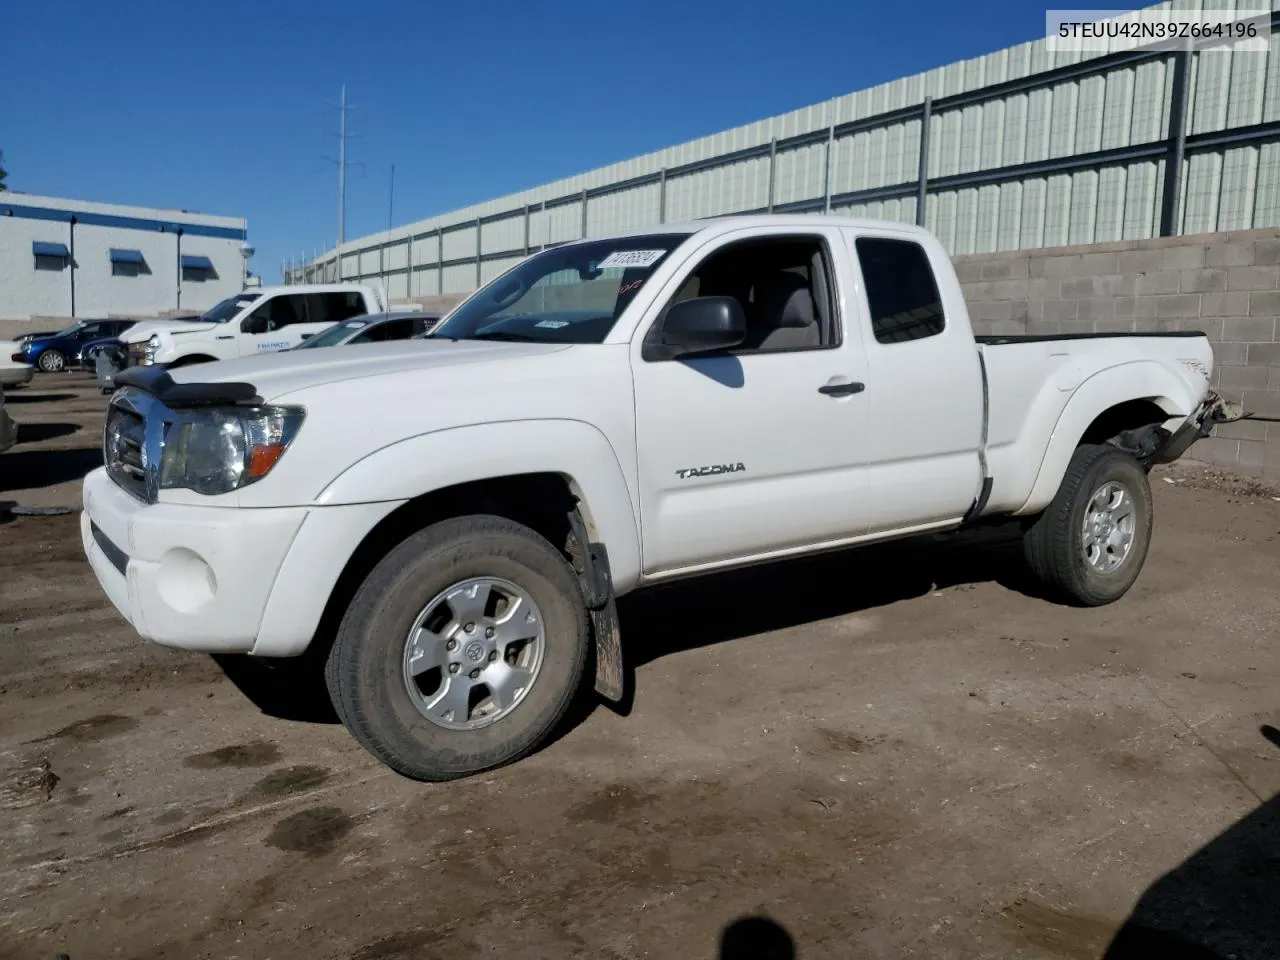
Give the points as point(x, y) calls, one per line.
point(15, 374)
point(220, 579)
point(192, 577)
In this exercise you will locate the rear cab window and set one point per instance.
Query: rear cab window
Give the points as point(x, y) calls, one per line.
point(902, 295)
point(334, 307)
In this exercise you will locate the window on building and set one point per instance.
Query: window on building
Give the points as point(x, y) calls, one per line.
point(197, 269)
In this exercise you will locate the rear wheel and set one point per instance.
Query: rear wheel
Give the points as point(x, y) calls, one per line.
point(462, 649)
point(1089, 545)
point(52, 361)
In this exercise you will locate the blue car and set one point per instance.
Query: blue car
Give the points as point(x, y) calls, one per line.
point(55, 352)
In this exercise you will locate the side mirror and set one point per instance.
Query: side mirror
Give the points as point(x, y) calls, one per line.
point(254, 323)
point(700, 325)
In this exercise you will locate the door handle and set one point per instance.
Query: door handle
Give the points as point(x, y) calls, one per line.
point(841, 389)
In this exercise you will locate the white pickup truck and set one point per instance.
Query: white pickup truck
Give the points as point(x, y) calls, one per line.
point(447, 521)
point(263, 320)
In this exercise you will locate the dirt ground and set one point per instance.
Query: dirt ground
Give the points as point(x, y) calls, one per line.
point(895, 753)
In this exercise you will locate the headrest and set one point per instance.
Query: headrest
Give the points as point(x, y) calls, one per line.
point(785, 301)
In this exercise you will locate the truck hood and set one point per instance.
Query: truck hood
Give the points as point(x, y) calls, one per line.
point(141, 332)
point(276, 374)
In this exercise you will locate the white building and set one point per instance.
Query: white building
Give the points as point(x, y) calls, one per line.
point(71, 258)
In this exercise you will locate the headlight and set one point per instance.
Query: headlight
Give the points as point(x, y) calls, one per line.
point(153, 345)
point(223, 449)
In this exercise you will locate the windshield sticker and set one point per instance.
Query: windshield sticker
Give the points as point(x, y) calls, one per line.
point(631, 258)
point(552, 324)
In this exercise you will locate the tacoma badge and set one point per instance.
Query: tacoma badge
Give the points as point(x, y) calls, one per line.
point(710, 471)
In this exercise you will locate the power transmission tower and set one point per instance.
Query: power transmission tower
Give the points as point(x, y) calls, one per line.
point(342, 167)
point(343, 137)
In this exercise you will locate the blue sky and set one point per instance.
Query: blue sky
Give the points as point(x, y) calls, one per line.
point(225, 108)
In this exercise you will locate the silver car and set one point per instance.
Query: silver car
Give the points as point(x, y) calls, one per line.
point(373, 328)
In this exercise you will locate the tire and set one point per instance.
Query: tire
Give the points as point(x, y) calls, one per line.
point(368, 668)
point(1092, 568)
point(52, 361)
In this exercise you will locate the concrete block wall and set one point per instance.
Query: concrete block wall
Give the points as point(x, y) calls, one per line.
point(1226, 284)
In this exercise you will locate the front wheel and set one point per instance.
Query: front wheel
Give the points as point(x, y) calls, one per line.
point(462, 650)
point(52, 361)
point(1089, 545)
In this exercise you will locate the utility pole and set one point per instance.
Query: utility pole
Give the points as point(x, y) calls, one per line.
point(342, 167)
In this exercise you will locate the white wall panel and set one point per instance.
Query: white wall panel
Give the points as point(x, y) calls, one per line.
point(625, 210)
point(459, 278)
point(426, 249)
point(495, 268)
point(459, 243)
point(564, 223)
point(500, 236)
point(397, 256)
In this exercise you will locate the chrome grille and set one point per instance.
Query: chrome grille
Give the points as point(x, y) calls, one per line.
point(122, 450)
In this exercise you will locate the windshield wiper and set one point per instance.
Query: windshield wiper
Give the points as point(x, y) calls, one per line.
point(506, 336)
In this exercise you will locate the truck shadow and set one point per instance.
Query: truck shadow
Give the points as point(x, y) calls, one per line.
point(713, 609)
point(775, 596)
point(1219, 903)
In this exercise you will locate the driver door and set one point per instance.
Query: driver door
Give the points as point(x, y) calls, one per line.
point(758, 450)
point(276, 324)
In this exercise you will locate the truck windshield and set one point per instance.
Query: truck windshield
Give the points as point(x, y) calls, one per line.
point(228, 308)
point(568, 294)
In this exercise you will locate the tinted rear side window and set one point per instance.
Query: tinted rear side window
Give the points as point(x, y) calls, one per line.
point(334, 307)
point(390, 330)
point(901, 291)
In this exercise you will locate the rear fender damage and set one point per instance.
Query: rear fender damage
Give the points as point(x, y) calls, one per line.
point(1154, 443)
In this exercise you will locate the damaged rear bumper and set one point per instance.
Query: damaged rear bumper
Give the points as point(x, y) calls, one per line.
point(1170, 445)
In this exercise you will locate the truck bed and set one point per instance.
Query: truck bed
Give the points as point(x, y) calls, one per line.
point(1031, 378)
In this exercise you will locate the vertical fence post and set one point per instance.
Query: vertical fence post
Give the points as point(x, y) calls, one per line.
point(662, 196)
point(826, 185)
point(922, 181)
point(478, 251)
point(1177, 143)
point(526, 229)
point(546, 226)
point(773, 167)
point(440, 261)
point(584, 215)
point(408, 266)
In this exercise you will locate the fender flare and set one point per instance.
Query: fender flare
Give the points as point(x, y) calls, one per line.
point(574, 449)
point(1137, 380)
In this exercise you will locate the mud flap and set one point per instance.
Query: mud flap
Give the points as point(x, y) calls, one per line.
point(604, 624)
point(597, 591)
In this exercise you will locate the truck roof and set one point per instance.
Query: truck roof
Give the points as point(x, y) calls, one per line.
point(803, 220)
point(307, 288)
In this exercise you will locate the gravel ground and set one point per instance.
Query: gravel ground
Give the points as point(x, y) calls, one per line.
point(894, 753)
